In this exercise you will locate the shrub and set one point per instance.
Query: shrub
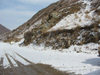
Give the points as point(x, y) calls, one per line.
point(28, 24)
point(28, 37)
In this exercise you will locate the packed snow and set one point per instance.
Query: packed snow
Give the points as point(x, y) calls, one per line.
point(85, 62)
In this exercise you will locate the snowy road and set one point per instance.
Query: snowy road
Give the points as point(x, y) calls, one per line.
point(31, 69)
point(79, 63)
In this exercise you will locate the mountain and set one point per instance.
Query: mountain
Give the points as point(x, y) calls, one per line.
point(3, 29)
point(62, 24)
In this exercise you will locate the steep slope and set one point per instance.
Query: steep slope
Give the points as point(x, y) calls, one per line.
point(62, 24)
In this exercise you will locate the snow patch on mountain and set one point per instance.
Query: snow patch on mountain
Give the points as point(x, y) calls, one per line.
point(34, 25)
point(85, 17)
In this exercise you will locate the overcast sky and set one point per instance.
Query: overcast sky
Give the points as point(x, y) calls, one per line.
point(15, 12)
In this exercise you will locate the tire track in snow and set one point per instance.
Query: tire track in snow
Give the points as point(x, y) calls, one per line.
point(31, 69)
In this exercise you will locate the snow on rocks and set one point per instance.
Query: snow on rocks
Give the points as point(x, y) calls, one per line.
point(88, 48)
point(84, 17)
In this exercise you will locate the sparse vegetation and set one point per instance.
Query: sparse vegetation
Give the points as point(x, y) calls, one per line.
point(13, 39)
point(66, 38)
point(28, 24)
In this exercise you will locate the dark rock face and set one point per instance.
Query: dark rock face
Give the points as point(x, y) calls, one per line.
point(95, 3)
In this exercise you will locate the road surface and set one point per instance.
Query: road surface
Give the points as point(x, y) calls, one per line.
point(31, 69)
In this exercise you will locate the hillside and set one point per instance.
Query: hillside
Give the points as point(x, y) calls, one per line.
point(62, 24)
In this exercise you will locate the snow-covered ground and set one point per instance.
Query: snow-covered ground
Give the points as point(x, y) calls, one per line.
point(85, 63)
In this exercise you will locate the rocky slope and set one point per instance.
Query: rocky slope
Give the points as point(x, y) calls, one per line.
point(62, 24)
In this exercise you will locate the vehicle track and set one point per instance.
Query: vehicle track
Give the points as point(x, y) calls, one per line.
point(31, 69)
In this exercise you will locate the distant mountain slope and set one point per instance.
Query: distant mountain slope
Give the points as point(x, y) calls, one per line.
point(3, 32)
point(3, 29)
